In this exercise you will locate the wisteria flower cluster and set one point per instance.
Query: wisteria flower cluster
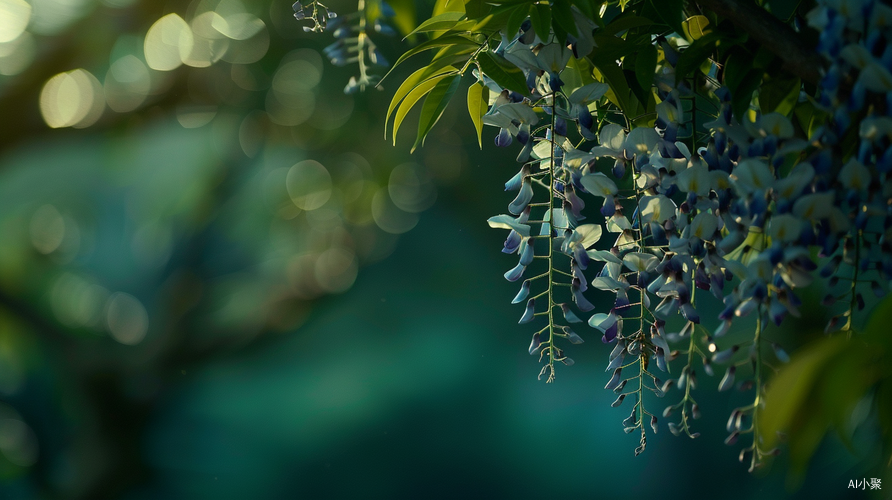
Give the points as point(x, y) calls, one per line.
point(353, 43)
point(624, 191)
point(745, 216)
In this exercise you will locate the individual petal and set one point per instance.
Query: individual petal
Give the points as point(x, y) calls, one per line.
point(785, 228)
point(523, 198)
point(508, 222)
point(529, 312)
point(523, 293)
point(599, 184)
point(515, 273)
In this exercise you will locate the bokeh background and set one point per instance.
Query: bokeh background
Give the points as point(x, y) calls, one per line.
point(218, 280)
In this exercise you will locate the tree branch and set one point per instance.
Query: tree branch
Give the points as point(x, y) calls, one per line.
point(775, 35)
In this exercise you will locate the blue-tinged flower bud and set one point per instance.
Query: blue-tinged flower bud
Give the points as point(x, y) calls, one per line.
point(665, 387)
point(728, 379)
point(673, 428)
point(615, 363)
point(384, 29)
point(529, 312)
point(581, 302)
point(732, 439)
point(512, 243)
point(618, 401)
point(733, 420)
point(526, 252)
point(620, 387)
point(746, 307)
point(342, 32)
point(780, 353)
point(523, 293)
point(653, 423)
point(609, 206)
point(661, 360)
point(689, 313)
point(536, 344)
point(352, 86)
point(777, 312)
point(756, 148)
point(721, 142)
point(386, 9)
point(857, 97)
point(632, 419)
point(515, 273)
point(610, 333)
point(572, 336)
point(567, 361)
point(614, 380)
point(524, 197)
point(503, 139)
point(619, 170)
point(569, 316)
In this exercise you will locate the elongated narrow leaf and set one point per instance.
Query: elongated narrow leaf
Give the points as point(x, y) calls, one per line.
point(442, 41)
point(478, 99)
point(614, 77)
point(444, 21)
point(692, 57)
point(507, 75)
point(434, 105)
point(645, 66)
point(413, 97)
point(515, 19)
point(563, 16)
point(625, 23)
point(540, 16)
point(410, 83)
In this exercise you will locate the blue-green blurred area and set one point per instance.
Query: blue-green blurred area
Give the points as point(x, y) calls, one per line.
point(217, 280)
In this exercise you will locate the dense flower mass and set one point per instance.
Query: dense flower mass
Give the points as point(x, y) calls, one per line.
point(683, 185)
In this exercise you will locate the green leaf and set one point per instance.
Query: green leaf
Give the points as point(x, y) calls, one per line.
point(405, 14)
point(515, 19)
point(740, 101)
point(671, 12)
point(505, 74)
point(413, 97)
point(433, 107)
point(792, 386)
point(619, 88)
point(696, 27)
point(645, 66)
point(691, 58)
point(409, 84)
point(737, 65)
point(442, 22)
point(563, 16)
point(779, 94)
point(540, 16)
point(625, 23)
point(443, 41)
point(478, 103)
